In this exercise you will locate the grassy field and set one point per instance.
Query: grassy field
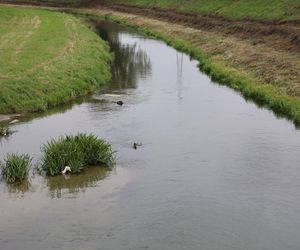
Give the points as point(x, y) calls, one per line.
point(256, 9)
point(253, 9)
point(46, 59)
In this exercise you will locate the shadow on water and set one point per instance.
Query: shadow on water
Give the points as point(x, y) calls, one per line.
point(56, 110)
point(62, 186)
point(39, 115)
point(130, 61)
point(18, 189)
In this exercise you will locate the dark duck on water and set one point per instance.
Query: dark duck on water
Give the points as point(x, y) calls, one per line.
point(120, 103)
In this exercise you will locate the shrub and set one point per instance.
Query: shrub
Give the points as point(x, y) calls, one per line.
point(76, 151)
point(15, 167)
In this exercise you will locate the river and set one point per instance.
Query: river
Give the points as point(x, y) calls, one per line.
point(214, 171)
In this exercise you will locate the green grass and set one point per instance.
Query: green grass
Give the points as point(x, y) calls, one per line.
point(256, 9)
point(46, 59)
point(15, 167)
point(76, 151)
point(236, 9)
point(4, 130)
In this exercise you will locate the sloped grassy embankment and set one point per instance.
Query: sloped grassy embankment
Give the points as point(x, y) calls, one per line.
point(46, 59)
point(251, 46)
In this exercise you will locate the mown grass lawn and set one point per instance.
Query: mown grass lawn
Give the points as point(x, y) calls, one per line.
point(46, 59)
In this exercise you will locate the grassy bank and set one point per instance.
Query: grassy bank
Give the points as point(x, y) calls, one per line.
point(233, 62)
point(46, 59)
point(255, 9)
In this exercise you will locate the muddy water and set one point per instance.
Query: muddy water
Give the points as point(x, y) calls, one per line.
point(213, 171)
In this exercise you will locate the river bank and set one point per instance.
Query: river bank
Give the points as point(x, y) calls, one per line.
point(258, 58)
point(47, 59)
point(263, 73)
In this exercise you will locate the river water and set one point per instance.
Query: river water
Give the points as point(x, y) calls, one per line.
point(213, 172)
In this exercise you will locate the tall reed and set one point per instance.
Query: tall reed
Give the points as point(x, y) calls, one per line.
point(4, 130)
point(15, 167)
point(77, 151)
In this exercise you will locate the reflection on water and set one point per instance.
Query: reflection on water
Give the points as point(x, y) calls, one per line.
point(59, 186)
point(130, 63)
point(61, 109)
point(4, 139)
point(18, 189)
point(69, 185)
point(179, 65)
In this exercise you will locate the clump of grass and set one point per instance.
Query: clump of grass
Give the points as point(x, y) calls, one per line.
point(96, 151)
point(4, 130)
point(60, 153)
point(76, 151)
point(15, 167)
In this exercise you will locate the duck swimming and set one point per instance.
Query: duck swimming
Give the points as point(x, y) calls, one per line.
point(120, 103)
point(135, 145)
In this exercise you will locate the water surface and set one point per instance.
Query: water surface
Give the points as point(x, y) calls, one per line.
point(213, 172)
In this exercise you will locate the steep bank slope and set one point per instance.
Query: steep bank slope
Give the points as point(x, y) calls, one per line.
point(46, 59)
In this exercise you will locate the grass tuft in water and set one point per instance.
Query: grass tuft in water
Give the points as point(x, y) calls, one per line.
point(76, 151)
point(96, 151)
point(4, 130)
point(15, 167)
